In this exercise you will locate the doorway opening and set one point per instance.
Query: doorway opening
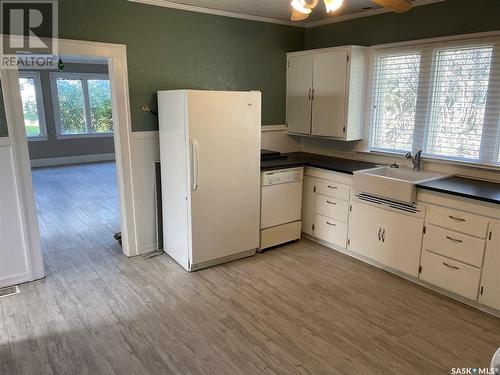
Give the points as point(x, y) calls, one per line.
point(69, 127)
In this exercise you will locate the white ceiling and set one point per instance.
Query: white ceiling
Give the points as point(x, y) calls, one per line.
point(278, 10)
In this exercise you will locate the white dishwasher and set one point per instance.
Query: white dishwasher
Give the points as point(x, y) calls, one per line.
point(281, 206)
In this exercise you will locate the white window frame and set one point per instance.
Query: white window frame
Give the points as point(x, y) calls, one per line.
point(428, 49)
point(42, 121)
point(84, 77)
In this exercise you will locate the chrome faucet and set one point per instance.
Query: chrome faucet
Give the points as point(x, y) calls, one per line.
point(416, 160)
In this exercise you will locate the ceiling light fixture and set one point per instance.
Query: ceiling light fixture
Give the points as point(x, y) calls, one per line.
point(333, 5)
point(301, 9)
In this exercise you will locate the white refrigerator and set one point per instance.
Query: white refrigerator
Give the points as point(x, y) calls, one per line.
point(210, 174)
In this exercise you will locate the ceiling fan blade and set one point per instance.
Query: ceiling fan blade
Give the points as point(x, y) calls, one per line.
point(398, 6)
point(297, 16)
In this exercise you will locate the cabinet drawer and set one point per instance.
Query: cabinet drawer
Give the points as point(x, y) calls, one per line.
point(454, 245)
point(332, 207)
point(333, 189)
point(459, 221)
point(449, 274)
point(331, 231)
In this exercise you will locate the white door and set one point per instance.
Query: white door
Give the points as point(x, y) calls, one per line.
point(299, 87)
point(490, 281)
point(225, 209)
point(387, 237)
point(329, 93)
point(308, 195)
point(402, 242)
point(365, 230)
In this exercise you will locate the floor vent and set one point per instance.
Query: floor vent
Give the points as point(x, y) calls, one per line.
point(9, 291)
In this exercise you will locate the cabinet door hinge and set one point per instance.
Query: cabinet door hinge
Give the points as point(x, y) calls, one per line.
point(482, 290)
point(425, 229)
point(420, 269)
point(314, 190)
point(349, 241)
point(348, 58)
point(491, 234)
point(313, 226)
point(350, 208)
point(288, 63)
point(343, 129)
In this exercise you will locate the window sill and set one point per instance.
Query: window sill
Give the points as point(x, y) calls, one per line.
point(462, 163)
point(39, 138)
point(86, 135)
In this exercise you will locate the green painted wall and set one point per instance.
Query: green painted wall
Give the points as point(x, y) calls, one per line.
point(450, 17)
point(171, 49)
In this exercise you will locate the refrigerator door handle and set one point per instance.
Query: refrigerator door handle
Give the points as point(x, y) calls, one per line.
point(194, 161)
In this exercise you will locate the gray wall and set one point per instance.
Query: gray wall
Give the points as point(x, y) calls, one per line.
point(56, 148)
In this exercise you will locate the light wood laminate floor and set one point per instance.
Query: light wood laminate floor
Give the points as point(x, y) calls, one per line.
point(298, 309)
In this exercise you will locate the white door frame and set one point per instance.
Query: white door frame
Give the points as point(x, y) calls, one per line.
point(116, 55)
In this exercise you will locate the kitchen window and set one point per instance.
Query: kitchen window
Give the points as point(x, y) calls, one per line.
point(32, 102)
point(82, 105)
point(443, 98)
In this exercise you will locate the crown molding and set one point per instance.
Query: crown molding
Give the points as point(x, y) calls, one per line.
point(307, 25)
point(217, 12)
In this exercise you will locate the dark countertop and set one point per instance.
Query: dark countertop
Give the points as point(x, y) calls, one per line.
point(304, 159)
point(459, 186)
point(465, 187)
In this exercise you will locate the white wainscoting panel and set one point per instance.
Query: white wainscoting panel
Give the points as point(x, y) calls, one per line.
point(145, 150)
point(13, 252)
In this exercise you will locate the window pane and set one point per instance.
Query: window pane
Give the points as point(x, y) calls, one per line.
point(100, 105)
point(395, 95)
point(70, 94)
point(30, 107)
point(459, 101)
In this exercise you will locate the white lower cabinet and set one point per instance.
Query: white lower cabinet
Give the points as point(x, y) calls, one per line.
point(390, 238)
point(450, 274)
point(490, 281)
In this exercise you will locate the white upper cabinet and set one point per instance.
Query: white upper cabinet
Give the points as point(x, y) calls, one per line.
point(490, 283)
point(299, 85)
point(326, 92)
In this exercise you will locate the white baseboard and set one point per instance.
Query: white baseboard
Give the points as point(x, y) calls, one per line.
point(145, 249)
point(14, 280)
point(36, 163)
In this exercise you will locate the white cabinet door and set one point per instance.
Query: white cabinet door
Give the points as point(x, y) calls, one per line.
point(329, 93)
point(402, 242)
point(299, 87)
point(387, 237)
point(490, 281)
point(308, 205)
point(365, 230)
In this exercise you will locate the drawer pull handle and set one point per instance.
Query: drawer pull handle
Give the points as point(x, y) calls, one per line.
point(333, 187)
point(454, 239)
point(333, 225)
point(379, 234)
point(383, 235)
point(457, 219)
point(330, 202)
point(452, 267)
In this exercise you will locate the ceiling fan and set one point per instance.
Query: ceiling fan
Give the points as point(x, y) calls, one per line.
point(302, 8)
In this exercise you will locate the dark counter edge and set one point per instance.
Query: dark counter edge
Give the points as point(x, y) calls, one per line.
point(349, 166)
point(459, 194)
point(303, 159)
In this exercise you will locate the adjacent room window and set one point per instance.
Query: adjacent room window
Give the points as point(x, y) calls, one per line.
point(82, 104)
point(32, 101)
point(443, 98)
